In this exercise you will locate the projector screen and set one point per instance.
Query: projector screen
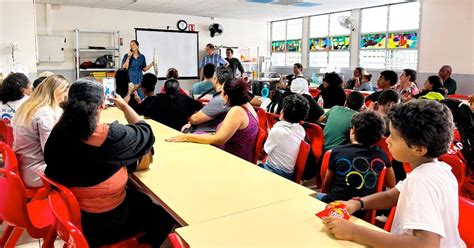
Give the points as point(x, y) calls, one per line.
point(170, 49)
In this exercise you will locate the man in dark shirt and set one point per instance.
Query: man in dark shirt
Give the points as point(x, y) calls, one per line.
point(448, 83)
point(297, 73)
point(234, 63)
point(148, 89)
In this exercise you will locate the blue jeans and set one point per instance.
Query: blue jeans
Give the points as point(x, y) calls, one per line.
point(279, 172)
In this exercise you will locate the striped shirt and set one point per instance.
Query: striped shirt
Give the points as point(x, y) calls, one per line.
point(215, 59)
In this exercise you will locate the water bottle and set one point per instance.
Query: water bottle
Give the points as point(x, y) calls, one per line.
point(321, 101)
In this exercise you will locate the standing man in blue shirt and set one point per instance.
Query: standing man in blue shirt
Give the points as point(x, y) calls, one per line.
point(135, 63)
point(211, 58)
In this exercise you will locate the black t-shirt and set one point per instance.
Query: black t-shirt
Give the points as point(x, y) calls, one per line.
point(140, 108)
point(173, 112)
point(356, 169)
point(314, 110)
point(235, 65)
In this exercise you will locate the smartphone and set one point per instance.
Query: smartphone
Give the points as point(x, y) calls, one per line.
point(109, 89)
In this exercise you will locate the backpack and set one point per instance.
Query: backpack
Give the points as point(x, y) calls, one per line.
point(105, 61)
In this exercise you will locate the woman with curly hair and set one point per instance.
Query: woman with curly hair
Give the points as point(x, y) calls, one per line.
point(14, 90)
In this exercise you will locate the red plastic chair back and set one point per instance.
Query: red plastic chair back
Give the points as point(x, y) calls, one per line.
point(13, 199)
point(466, 215)
point(6, 131)
point(314, 92)
point(9, 158)
point(368, 102)
point(458, 96)
point(324, 166)
point(315, 136)
point(378, 188)
point(388, 225)
point(384, 146)
point(301, 161)
point(272, 119)
point(458, 167)
point(262, 117)
point(175, 240)
point(262, 136)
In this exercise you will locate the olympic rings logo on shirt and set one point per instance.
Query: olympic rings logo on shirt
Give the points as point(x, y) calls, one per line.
point(359, 173)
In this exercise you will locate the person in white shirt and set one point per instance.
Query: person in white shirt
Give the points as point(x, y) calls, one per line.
point(282, 155)
point(32, 125)
point(427, 212)
point(14, 90)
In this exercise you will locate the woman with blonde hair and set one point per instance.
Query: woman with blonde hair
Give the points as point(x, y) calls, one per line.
point(33, 123)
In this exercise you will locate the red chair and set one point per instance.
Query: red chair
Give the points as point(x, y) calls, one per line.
point(466, 215)
point(324, 167)
point(315, 135)
point(301, 161)
point(314, 92)
point(204, 101)
point(378, 188)
point(262, 136)
point(458, 167)
point(34, 216)
point(406, 167)
point(272, 119)
point(262, 117)
point(176, 241)
point(11, 163)
point(67, 216)
point(6, 131)
point(458, 96)
point(388, 225)
point(384, 146)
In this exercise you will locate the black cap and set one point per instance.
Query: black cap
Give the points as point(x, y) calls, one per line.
point(86, 89)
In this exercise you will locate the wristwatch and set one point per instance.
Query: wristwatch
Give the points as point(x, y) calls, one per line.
point(362, 204)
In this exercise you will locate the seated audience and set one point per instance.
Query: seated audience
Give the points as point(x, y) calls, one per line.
point(14, 91)
point(148, 88)
point(406, 87)
point(448, 83)
point(32, 125)
point(387, 99)
point(338, 120)
point(387, 80)
point(125, 89)
point(427, 213)
point(361, 159)
point(432, 84)
point(172, 73)
point(206, 85)
point(172, 108)
point(331, 90)
point(463, 141)
point(37, 82)
point(366, 85)
point(237, 134)
point(282, 155)
point(356, 80)
point(301, 87)
point(97, 176)
point(214, 112)
point(297, 73)
point(42, 76)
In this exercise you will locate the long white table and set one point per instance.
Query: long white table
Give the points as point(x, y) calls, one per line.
point(197, 183)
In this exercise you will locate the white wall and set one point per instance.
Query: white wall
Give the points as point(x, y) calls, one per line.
point(447, 35)
point(17, 24)
point(236, 32)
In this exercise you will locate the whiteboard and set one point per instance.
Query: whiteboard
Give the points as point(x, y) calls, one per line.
point(170, 49)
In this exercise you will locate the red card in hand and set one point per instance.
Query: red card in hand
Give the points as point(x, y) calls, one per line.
point(334, 209)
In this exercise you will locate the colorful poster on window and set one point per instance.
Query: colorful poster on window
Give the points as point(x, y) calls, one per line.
point(293, 45)
point(278, 46)
point(319, 44)
point(402, 40)
point(340, 43)
point(372, 41)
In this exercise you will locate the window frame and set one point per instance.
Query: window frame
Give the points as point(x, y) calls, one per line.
point(286, 40)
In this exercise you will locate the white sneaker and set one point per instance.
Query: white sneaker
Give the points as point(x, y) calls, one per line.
point(381, 218)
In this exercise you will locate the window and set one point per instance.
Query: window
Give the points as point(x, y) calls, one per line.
point(286, 42)
point(329, 43)
point(389, 36)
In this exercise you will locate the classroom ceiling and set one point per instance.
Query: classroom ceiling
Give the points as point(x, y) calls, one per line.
point(264, 10)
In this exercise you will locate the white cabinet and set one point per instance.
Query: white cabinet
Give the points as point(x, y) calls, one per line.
point(51, 48)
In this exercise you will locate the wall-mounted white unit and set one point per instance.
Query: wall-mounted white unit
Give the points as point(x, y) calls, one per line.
point(51, 48)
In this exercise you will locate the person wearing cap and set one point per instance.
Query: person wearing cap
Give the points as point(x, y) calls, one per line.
point(92, 158)
point(301, 87)
point(32, 125)
point(211, 58)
